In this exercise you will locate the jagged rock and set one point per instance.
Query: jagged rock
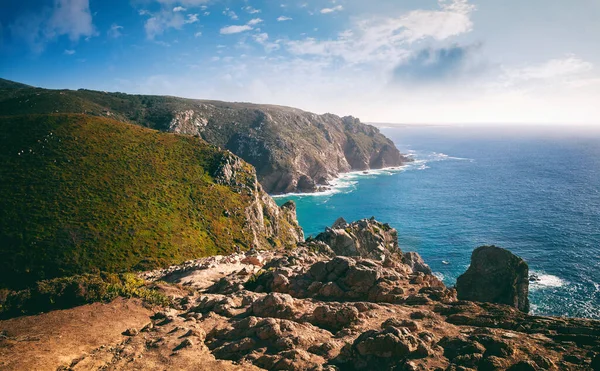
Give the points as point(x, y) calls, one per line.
point(366, 238)
point(340, 223)
point(495, 276)
point(416, 262)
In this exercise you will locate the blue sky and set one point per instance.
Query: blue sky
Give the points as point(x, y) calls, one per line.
point(414, 61)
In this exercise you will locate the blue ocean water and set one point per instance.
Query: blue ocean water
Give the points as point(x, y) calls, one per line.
point(534, 192)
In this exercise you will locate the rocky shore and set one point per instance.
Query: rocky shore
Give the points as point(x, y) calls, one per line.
point(349, 299)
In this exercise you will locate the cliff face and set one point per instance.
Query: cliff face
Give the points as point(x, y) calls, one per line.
point(81, 194)
point(292, 150)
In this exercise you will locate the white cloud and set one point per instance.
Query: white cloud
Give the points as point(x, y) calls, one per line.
point(234, 29)
point(453, 19)
point(553, 70)
point(69, 52)
point(387, 40)
point(230, 13)
point(198, 34)
point(283, 18)
point(263, 39)
point(164, 19)
point(251, 10)
point(179, 9)
point(70, 18)
point(336, 8)
point(115, 31)
point(255, 21)
point(192, 18)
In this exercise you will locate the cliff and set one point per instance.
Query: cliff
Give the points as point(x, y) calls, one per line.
point(83, 194)
point(311, 308)
point(292, 150)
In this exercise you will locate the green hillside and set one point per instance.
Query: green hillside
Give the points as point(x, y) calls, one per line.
point(82, 194)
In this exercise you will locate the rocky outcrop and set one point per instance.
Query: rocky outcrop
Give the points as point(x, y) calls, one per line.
point(286, 161)
point(495, 276)
point(366, 238)
point(416, 262)
point(267, 223)
point(309, 309)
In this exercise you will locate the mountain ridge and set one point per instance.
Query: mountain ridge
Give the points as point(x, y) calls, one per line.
point(293, 150)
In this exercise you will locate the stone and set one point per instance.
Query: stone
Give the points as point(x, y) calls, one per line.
point(130, 332)
point(454, 347)
point(274, 305)
point(340, 223)
point(416, 262)
point(334, 317)
point(365, 238)
point(495, 276)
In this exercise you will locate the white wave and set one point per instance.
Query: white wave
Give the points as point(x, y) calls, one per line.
point(541, 280)
point(346, 182)
point(439, 275)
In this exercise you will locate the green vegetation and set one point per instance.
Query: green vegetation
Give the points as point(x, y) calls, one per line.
point(84, 194)
point(68, 292)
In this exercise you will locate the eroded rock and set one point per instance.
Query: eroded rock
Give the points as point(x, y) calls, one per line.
point(495, 276)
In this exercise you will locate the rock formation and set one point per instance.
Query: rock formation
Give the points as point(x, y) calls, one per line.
point(367, 238)
point(306, 309)
point(495, 276)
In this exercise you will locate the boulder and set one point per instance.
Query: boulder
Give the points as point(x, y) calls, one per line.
point(365, 238)
point(495, 276)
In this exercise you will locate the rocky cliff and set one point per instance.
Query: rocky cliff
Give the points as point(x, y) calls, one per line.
point(292, 150)
point(305, 309)
point(495, 276)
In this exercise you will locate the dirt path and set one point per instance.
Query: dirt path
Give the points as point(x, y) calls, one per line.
point(47, 341)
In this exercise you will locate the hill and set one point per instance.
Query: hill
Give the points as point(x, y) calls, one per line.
point(292, 150)
point(81, 194)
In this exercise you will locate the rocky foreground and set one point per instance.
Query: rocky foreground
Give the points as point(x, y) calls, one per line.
point(347, 300)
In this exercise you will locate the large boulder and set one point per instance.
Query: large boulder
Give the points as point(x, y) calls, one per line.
point(495, 276)
point(365, 238)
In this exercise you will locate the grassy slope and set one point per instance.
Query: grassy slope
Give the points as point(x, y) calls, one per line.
point(82, 194)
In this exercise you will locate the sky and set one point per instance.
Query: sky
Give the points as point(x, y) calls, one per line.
point(387, 61)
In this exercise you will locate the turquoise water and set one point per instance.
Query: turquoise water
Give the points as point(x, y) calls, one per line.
point(536, 193)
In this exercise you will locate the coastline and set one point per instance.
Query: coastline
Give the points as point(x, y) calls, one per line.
point(338, 184)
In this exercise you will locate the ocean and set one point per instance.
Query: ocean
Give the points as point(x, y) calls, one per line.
point(535, 192)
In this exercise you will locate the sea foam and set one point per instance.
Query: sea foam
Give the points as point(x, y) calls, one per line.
point(543, 280)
